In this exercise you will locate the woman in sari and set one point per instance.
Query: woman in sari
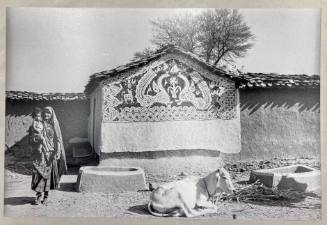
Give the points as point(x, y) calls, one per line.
point(49, 163)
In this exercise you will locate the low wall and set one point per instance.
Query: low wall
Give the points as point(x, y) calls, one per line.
point(72, 116)
point(279, 123)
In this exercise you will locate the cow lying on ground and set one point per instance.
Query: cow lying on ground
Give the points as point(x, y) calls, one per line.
point(190, 196)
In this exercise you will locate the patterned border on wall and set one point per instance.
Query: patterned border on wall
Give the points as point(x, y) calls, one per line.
point(170, 88)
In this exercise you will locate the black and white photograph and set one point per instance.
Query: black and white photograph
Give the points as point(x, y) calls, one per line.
point(206, 113)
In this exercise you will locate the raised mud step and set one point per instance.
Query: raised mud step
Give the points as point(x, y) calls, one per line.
point(110, 179)
point(295, 177)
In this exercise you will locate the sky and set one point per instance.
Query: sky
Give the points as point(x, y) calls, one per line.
point(57, 49)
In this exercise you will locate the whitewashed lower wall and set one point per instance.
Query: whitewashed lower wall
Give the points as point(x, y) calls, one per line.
point(219, 135)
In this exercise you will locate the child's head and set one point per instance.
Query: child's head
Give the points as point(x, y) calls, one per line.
point(37, 114)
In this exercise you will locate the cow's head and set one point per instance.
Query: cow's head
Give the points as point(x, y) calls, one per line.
point(219, 181)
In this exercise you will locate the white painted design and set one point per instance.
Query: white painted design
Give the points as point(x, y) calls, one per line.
point(166, 113)
point(147, 100)
point(179, 93)
point(169, 89)
point(110, 101)
point(188, 93)
point(128, 97)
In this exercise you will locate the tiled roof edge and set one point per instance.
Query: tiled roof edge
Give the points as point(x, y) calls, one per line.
point(51, 96)
point(96, 78)
point(261, 80)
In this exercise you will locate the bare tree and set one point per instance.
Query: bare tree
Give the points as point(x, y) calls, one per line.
point(223, 35)
point(217, 35)
point(180, 31)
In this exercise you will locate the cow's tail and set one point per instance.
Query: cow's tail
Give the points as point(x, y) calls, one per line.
point(170, 214)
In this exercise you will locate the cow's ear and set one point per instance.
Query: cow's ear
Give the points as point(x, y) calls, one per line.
point(218, 171)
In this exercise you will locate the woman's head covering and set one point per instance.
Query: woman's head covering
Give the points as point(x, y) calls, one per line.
point(62, 167)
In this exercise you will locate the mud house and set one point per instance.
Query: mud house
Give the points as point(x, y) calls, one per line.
point(173, 112)
point(170, 110)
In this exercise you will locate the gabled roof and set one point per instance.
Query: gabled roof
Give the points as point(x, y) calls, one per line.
point(247, 80)
point(24, 95)
point(96, 78)
point(260, 80)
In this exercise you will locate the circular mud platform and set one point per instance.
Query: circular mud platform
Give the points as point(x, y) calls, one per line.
point(110, 179)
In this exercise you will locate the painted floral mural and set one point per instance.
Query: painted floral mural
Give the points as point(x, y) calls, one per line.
point(169, 90)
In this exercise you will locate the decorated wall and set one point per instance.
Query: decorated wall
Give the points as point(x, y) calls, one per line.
point(280, 123)
point(171, 103)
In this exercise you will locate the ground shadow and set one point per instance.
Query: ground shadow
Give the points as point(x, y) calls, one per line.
point(73, 170)
point(160, 154)
point(18, 200)
point(68, 187)
point(290, 182)
point(139, 209)
point(289, 204)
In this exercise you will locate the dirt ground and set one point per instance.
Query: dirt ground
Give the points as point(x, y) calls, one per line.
point(66, 202)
